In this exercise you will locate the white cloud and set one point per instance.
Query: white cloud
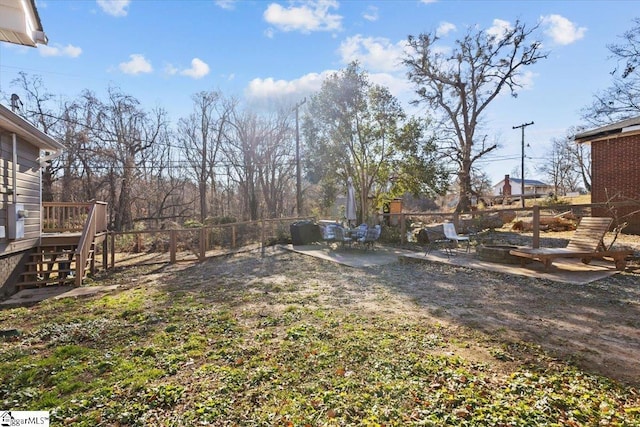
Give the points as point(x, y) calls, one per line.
point(198, 69)
point(445, 28)
point(311, 15)
point(170, 70)
point(375, 53)
point(269, 32)
point(398, 85)
point(428, 1)
point(561, 30)
point(59, 50)
point(499, 28)
point(525, 79)
point(371, 14)
point(137, 65)
point(261, 90)
point(114, 7)
point(226, 4)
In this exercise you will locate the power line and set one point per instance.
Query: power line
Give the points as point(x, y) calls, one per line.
point(522, 126)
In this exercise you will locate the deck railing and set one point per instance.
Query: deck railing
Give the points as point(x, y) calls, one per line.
point(87, 218)
point(60, 217)
point(84, 246)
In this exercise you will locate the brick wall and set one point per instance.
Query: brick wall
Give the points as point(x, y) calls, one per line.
point(10, 268)
point(615, 166)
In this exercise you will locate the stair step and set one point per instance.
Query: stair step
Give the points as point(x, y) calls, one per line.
point(40, 254)
point(45, 284)
point(48, 262)
point(33, 273)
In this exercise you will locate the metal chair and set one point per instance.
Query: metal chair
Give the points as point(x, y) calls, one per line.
point(436, 239)
point(450, 233)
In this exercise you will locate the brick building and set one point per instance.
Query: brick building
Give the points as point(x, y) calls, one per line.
point(615, 167)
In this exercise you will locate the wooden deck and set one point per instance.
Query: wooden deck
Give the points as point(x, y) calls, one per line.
point(65, 254)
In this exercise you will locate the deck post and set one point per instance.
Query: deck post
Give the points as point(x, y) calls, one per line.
point(80, 264)
point(233, 237)
point(203, 244)
point(173, 239)
point(536, 227)
point(113, 250)
point(105, 254)
point(262, 234)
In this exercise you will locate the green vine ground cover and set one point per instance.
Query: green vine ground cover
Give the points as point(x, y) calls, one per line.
point(243, 341)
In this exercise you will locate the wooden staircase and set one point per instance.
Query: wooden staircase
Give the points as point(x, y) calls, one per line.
point(67, 249)
point(53, 263)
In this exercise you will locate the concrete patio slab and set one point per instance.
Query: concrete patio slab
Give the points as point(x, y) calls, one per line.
point(562, 270)
point(352, 257)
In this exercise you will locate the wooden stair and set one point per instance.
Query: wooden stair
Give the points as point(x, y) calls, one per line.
point(70, 234)
point(53, 263)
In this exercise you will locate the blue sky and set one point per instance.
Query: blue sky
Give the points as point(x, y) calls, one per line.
point(164, 51)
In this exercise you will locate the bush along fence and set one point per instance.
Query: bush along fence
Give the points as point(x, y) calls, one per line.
point(194, 244)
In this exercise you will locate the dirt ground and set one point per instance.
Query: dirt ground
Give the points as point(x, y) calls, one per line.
point(594, 326)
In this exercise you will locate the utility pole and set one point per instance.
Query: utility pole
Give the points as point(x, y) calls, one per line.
point(522, 126)
point(298, 175)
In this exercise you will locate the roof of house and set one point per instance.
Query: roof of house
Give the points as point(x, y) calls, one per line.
point(526, 182)
point(612, 129)
point(16, 124)
point(20, 23)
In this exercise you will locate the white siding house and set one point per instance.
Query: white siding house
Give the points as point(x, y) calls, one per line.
point(532, 187)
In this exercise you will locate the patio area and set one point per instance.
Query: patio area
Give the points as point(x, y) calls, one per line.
point(563, 270)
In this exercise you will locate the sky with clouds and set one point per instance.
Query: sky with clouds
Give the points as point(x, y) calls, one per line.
point(270, 53)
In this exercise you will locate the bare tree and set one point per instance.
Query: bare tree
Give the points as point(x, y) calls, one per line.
point(36, 107)
point(622, 99)
point(277, 163)
point(463, 82)
point(241, 151)
point(568, 164)
point(580, 155)
point(163, 191)
point(200, 136)
point(559, 167)
point(125, 132)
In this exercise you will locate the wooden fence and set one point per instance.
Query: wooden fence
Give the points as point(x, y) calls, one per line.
point(195, 244)
point(534, 212)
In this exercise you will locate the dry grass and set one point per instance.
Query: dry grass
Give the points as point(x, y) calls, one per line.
point(287, 339)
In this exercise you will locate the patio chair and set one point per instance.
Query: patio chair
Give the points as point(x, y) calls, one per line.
point(585, 244)
point(341, 237)
point(436, 239)
point(450, 233)
point(359, 232)
point(328, 232)
point(370, 237)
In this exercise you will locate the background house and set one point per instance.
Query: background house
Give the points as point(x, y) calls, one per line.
point(615, 174)
point(532, 187)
